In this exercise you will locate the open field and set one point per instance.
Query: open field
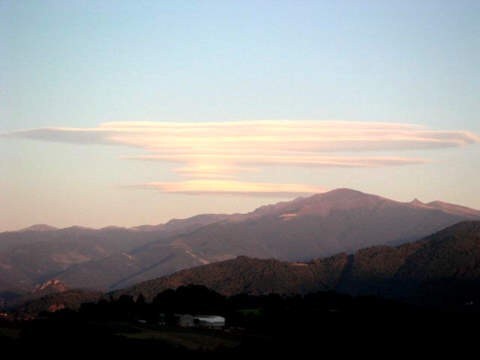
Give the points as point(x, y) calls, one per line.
point(185, 338)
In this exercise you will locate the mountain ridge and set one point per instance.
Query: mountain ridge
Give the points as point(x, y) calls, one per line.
point(338, 193)
point(404, 271)
point(321, 225)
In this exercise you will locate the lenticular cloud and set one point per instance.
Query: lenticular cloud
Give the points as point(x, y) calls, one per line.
point(218, 151)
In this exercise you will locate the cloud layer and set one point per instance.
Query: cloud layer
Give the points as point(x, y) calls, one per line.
point(211, 152)
point(227, 187)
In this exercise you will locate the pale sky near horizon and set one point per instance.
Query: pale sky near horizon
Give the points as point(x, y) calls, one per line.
point(136, 112)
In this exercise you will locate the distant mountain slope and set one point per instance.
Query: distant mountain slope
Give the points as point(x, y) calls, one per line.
point(37, 254)
point(321, 225)
point(338, 221)
point(451, 256)
point(453, 209)
point(176, 226)
point(123, 269)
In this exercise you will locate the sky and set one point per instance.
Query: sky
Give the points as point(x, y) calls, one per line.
point(136, 112)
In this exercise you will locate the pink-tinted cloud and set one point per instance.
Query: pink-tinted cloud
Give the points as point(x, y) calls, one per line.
point(225, 150)
point(226, 187)
point(287, 159)
point(271, 136)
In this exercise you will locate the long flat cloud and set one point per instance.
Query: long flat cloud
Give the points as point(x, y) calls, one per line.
point(272, 136)
point(226, 187)
point(220, 150)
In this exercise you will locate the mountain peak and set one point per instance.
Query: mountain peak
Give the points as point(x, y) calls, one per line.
point(39, 227)
point(343, 191)
point(342, 194)
point(322, 204)
point(416, 202)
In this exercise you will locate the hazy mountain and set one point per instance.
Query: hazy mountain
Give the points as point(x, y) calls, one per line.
point(31, 257)
point(123, 269)
point(175, 226)
point(453, 209)
point(321, 225)
point(39, 253)
point(338, 221)
point(417, 270)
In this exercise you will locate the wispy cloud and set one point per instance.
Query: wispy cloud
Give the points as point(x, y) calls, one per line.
point(220, 150)
point(287, 159)
point(247, 136)
point(225, 187)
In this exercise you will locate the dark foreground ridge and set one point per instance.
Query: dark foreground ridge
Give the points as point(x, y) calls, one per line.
point(266, 325)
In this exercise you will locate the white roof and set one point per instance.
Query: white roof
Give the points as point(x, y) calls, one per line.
point(210, 318)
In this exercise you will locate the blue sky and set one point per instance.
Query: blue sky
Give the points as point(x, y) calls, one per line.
point(80, 64)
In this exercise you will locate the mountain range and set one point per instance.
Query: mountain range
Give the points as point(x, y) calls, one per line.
point(441, 269)
point(341, 221)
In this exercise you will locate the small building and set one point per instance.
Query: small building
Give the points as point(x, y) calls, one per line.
point(210, 321)
point(201, 321)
